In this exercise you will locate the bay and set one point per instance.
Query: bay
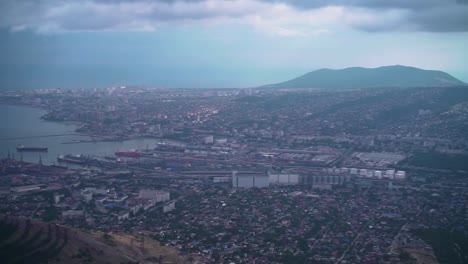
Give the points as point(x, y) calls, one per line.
point(22, 125)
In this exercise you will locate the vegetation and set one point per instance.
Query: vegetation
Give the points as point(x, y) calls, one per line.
point(439, 161)
point(449, 246)
point(356, 77)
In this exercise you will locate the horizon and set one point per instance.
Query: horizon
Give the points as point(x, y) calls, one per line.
point(220, 87)
point(211, 43)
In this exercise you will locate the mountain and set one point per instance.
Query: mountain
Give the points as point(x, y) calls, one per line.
point(357, 77)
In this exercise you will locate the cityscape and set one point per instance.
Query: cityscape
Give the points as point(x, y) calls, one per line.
point(233, 132)
point(230, 179)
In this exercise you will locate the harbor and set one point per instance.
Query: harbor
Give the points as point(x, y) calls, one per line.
point(59, 138)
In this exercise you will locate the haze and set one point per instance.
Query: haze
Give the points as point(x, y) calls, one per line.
point(208, 43)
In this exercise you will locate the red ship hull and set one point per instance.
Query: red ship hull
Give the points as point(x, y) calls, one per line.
point(127, 154)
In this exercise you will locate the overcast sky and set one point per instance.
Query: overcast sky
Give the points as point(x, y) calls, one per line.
point(221, 43)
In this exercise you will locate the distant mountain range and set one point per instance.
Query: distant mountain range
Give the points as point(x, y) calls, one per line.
point(357, 77)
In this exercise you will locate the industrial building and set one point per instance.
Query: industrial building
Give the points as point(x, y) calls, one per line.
point(283, 178)
point(156, 195)
point(26, 188)
point(327, 179)
point(249, 180)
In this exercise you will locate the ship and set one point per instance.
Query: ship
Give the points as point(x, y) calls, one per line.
point(131, 154)
point(74, 159)
point(22, 148)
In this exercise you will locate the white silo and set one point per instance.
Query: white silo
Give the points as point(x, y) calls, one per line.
point(389, 174)
point(378, 174)
point(400, 175)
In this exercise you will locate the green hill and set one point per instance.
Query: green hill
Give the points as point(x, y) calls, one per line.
point(382, 77)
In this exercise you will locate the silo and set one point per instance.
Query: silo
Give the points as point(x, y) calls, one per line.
point(363, 172)
point(378, 174)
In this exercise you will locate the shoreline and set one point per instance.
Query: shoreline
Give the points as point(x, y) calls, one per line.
point(92, 137)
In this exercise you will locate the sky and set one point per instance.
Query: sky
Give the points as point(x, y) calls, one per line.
point(221, 43)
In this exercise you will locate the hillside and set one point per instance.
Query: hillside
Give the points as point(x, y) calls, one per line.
point(357, 77)
point(29, 241)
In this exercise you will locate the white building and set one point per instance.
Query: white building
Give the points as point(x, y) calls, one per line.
point(378, 174)
point(283, 178)
point(400, 175)
point(221, 179)
point(96, 191)
point(57, 198)
point(169, 207)
point(389, 174)
point(249, 180)
point(221, 141)
point(209, 140)
point(157, 195)
point(363, 172)
point(26, 188)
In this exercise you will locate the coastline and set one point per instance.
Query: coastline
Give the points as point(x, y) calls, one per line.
point(93, 137)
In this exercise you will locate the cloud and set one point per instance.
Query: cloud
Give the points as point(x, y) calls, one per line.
point(443, 19)
point(402, 15)
point(62, 15)
point(278, 17)
point(373, 4)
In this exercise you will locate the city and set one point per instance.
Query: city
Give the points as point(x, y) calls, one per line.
point(232, 180)
point(233, 132)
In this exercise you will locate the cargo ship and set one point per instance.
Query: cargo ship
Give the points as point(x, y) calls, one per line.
point(75, 159)
point(22, 148)
point(131, 154)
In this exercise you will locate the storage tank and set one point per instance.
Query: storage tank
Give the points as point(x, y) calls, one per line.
point(400, 175)
point(294, 178)
point(261, 181)
point(378, 174)
point(389, 174)
point(363, 172)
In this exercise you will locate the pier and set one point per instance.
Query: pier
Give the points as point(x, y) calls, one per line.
point(45, 136)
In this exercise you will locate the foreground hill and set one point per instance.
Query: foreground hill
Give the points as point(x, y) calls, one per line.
point(29, 241)
point(356, 78)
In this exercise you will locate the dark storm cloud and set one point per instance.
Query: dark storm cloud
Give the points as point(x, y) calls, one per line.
point(421, 15)
point(406, 4)
point(443, 19)
point(98, 15)
point(95, 15)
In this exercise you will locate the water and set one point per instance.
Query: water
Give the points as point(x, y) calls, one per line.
point(23, 121)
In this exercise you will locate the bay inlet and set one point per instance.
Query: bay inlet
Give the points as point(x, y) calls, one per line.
point(22, 125)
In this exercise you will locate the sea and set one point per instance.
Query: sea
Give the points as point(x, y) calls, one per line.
point(22, 125)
